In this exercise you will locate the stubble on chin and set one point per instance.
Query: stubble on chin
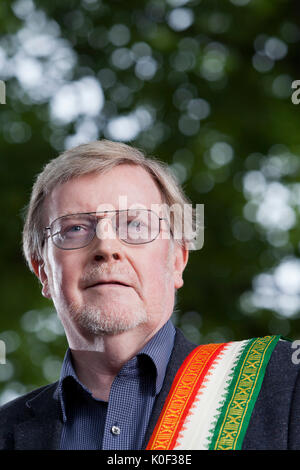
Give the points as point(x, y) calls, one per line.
point(111, 320)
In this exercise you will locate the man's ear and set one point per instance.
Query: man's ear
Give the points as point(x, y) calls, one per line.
point(181, 256)
point(39, 270)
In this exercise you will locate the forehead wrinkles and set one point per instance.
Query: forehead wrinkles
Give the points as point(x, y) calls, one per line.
point(86, 192)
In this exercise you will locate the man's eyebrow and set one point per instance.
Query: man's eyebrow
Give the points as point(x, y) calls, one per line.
point(64, 215)
point(74, 213)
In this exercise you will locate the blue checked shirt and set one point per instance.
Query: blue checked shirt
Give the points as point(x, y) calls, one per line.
point(120, 423)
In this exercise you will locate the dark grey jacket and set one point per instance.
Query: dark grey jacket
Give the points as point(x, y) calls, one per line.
point(34, 422)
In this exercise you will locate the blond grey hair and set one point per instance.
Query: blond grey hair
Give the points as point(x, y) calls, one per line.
point(95, 157)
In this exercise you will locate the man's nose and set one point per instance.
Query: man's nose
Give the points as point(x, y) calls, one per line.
point(106, 240)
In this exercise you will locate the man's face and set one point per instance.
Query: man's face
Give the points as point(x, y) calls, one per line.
point(72, 278)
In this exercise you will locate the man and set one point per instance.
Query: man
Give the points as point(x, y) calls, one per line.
point(98, 237)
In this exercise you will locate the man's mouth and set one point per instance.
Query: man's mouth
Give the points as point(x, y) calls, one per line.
point(108, 283)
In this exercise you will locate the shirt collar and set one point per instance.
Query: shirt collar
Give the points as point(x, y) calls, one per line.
point(158, 349)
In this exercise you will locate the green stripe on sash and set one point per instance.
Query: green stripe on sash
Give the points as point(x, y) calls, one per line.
point(242, 394)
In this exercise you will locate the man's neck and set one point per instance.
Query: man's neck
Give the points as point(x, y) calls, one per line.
point(98, 361)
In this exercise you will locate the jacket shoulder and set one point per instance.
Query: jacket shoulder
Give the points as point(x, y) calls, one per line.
point(284, 364)
point(17, 410)
point(271, 426)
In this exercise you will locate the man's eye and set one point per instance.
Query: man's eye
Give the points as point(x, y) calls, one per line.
point(74, 230)
point(136, 224)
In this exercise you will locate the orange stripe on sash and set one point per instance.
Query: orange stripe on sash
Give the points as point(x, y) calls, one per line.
point(185, 387)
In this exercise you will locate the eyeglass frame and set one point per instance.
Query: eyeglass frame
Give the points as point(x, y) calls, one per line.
point(95, 231)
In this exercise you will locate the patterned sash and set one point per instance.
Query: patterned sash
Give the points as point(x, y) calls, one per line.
point(213, 395)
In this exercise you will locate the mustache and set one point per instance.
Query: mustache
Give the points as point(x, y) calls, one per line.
point(94, 272)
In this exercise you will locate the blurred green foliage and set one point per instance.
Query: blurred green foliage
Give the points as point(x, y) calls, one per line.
point(203, 85)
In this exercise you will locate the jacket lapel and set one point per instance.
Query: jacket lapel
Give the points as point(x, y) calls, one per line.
point(182, 347)
point(43, 427)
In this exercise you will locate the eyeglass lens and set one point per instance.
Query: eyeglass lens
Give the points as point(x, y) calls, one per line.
point(77, 230)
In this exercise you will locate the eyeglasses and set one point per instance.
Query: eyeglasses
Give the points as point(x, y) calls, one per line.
point(132, 226)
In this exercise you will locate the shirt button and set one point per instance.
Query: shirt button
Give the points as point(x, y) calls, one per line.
point(115, 430)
